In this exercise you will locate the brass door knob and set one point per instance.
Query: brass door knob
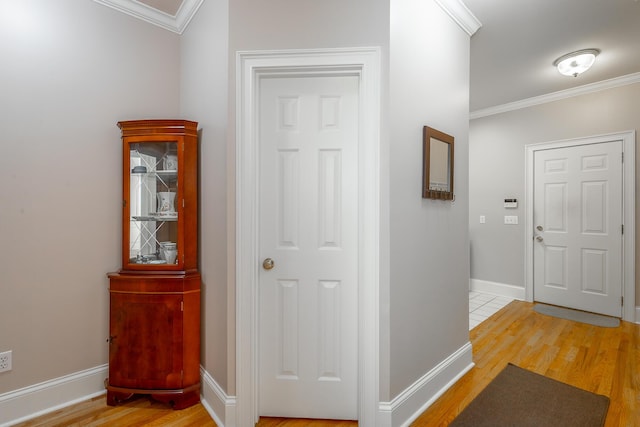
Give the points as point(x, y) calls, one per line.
point(268, 264)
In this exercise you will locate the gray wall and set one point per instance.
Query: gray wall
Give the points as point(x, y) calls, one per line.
point(429, 256)
point(496, 169)
point(204, 94)
point(283, 24)
point(68, 76)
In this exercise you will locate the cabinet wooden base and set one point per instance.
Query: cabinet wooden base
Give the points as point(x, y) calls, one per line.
point(178, 399)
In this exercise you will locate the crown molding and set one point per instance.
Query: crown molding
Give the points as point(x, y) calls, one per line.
point(556, 96)
point(176, 24)
point(461, 14)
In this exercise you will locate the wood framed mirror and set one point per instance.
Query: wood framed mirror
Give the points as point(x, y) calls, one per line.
point(437, 172)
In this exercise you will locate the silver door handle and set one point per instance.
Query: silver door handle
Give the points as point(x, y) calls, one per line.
point(268, 264)
point(539, 238)
point(539, 228)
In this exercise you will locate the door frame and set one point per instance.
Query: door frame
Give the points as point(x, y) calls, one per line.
point(628, 139)
point(251, 67)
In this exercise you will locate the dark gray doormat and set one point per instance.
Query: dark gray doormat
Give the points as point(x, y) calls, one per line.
point(521, 398)
point(578, 316)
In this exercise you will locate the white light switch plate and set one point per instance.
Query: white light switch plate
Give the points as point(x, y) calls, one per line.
point(511, 219)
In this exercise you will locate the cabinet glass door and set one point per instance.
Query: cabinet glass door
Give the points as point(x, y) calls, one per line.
point(153, 214)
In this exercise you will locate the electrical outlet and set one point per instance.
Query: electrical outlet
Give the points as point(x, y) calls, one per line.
point(5, 361)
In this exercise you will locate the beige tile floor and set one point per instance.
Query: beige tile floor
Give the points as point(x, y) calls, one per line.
point(482, 306)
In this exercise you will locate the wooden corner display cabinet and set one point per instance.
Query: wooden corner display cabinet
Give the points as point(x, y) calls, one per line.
point(154, 316)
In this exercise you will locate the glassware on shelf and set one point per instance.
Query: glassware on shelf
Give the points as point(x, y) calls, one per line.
point(160, 159)
point(166, 203)
point(170, 162)
point(153, 188)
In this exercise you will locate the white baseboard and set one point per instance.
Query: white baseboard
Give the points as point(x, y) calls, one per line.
point(221, 407)
point(413, 401)
point(33, 401)
point(499, 289)
point(638, 315)
point(36, 400)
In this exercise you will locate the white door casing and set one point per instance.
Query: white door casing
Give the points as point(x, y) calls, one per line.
point(627, 274)
point(252, 68)
point(308, 137)
point(578, 227)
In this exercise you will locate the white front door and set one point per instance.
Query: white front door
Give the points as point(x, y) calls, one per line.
point(578, 219)
point(308, 300)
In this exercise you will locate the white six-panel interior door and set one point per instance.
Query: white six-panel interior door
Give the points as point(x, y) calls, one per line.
point(308, 323)
point(253, 70)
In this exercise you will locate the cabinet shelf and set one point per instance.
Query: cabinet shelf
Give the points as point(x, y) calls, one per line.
point(155, 218)
point(168, 173)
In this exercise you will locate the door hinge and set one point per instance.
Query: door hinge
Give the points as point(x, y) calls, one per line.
point(622, 301)
point(622, 157)
point(181, 305)
point(622, 228)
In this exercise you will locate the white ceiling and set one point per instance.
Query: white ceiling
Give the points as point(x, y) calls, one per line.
point(169, 7)
point(512, 53)
point(173, 15)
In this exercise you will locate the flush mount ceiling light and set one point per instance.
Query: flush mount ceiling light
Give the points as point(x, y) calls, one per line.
point(577, 62)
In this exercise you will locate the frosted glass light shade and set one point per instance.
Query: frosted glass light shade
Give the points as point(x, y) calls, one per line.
point(575, 63)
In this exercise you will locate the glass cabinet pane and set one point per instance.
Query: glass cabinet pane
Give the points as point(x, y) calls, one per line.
point(153, 184)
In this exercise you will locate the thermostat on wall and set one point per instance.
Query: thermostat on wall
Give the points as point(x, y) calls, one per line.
point(510, 203)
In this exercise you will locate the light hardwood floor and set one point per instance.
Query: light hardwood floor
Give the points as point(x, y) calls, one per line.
point(601, 360)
